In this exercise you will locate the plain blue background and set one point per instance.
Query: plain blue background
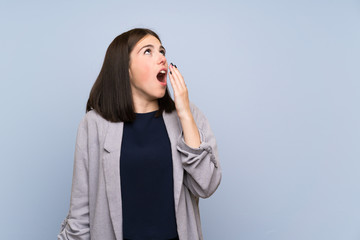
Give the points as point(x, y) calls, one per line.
point(279, 82)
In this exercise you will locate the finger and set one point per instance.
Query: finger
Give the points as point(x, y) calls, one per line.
point(176, 74)
point(178, 77)
point(174, 84)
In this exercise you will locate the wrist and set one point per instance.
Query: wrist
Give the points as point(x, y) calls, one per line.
point(185, 115)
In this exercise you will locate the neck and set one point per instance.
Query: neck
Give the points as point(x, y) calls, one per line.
point(144, 106)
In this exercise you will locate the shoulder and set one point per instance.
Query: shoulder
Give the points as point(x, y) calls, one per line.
point(198, 115)
point(92, 121)
point(91, 129)
point(91, 117)
point(195, 110)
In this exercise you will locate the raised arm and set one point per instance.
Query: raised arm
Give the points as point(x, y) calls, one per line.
point(202, 166)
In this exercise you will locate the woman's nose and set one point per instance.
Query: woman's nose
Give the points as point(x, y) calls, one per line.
point(162, 58)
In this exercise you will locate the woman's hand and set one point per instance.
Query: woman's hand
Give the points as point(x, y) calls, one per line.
point(181, 99)
point(181, 96)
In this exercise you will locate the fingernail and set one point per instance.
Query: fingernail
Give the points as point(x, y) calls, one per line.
point(170, 72)
point(175, 66)
point(172, 64)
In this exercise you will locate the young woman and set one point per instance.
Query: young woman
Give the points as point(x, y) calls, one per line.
point(142, 160)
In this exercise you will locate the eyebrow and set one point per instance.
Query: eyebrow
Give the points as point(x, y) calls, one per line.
point(152, 46)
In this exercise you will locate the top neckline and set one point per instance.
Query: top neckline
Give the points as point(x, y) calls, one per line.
point(146, 114)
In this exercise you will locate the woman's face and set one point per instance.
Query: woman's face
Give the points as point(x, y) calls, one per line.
point(147, 59)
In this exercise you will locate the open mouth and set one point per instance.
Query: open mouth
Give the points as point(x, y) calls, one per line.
point(161, 76)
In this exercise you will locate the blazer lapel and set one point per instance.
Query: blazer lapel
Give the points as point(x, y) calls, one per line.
point(111, 166)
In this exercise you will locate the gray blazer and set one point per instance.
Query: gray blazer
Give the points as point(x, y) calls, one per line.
point(95, 206)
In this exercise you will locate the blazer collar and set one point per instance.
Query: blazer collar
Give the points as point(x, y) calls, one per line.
point(114, 131)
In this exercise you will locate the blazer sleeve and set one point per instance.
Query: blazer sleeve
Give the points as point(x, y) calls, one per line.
point(202, 167)
point(76, 224)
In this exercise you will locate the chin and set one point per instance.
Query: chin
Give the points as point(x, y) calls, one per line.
point(162, 94)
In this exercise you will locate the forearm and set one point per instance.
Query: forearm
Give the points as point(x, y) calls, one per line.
point(190, 130)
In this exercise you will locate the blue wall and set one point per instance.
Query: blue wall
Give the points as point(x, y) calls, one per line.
point(278, 80)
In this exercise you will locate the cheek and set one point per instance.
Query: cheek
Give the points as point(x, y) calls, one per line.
point(144, 74)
